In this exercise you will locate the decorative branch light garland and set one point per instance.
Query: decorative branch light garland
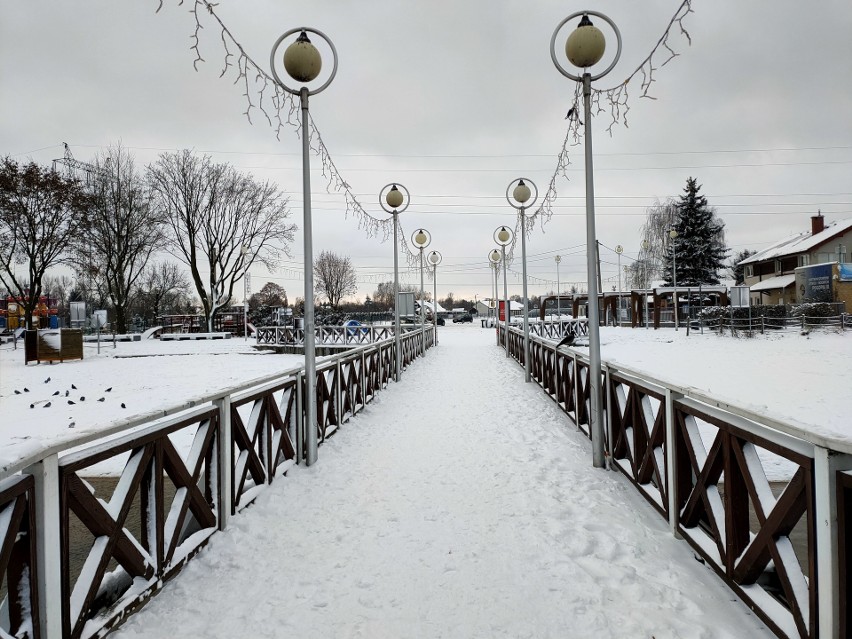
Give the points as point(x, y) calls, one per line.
point(260, 89)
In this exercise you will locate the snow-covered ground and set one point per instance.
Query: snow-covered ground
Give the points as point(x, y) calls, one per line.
point(460, 503)
point(807, 380)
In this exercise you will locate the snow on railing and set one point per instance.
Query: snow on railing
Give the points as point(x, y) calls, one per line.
point(765, 503)
point(78, 554)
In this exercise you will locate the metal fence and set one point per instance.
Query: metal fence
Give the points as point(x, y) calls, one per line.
point(783, 547)
point(327, 335)
point(184, 472)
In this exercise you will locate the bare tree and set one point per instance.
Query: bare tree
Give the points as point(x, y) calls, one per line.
point(162, 287)
point(41, 212)
point(220, 223)
point(659, 220)
point(124, 229)
point(58, 287)
point(334, 277)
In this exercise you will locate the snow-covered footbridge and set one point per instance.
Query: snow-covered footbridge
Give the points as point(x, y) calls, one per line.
point(457, 502)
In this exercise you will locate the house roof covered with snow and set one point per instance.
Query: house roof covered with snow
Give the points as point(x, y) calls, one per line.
point(800, 243)
point(773, 283)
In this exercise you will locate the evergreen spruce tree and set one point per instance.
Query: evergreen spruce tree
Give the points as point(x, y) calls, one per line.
point(699, 248)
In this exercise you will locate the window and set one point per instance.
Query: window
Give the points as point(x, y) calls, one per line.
point(804, 260)
point(777, 267)
point(749, 270)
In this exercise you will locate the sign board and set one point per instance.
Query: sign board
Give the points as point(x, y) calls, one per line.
point(405, 304)
point(739, 296)
point(78, 314)
point(502, 310)
point(248, 283)
point(99, 318)
point(815, 283)
point(845, 272)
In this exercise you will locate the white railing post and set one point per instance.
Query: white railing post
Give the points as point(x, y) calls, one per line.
point(671, 460)
point(300, 418)
point(338, 396)
point(607, 393)
point(226, 461)
point(826, 466)
point(48, 545)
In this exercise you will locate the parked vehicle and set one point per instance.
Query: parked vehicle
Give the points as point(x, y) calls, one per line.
point(464, 317)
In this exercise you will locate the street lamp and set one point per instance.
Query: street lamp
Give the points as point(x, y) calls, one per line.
point(619, 249)
point(503, 237)
point(243, 252)
point(520, 199)
point(435, 259)
point(673, 236)
point(421, 239)
point(558, 260)
point(392, 201)
point(494, 260)
point(584, 48)
point(303, 62)
point(645, 283)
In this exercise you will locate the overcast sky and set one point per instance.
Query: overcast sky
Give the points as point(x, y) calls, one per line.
point(454, 100)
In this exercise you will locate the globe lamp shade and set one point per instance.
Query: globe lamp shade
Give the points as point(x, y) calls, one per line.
point(586, 44)
point(420, 238)
point(302, 60)
point(494, 256)
point(394, 197)
point(503, 235)
point(522, 192)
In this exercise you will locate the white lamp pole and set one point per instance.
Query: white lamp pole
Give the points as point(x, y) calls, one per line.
point(520, 199)
point(244, 252)
point(619, 250)
point(494, 258)
point(645, 283)
point(584, 48)
point(395, 203)
point(435, 259)
point(558, 259)
point(421, 239)
point(303, 62)
point(673, 236)
point(503, 237)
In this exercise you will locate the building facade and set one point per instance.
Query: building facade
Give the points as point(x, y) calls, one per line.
point(771, 273)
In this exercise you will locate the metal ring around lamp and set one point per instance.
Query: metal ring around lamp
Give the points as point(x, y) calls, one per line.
point(382, 202)
point(278, 43)
point(513, 202)
point(563, 70)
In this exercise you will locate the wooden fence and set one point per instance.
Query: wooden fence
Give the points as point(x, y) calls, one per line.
point(184, 472)
point(702, 465)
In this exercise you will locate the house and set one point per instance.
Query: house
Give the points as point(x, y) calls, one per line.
point(429, 307)
point(771, 273)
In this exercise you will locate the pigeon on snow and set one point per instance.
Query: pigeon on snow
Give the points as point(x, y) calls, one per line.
point(47, 405)
point(55, 394)
point(102, 399)
point(47, 381)
point(123, 406)
point(17, 392)
point(70, 402)
point(108, 389)
point(74, 387)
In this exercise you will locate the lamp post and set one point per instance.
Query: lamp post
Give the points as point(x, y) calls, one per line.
point(520, 199)
point(244, 252)
point(585, 47)
point(392, 201)
point(421, 239)
point(435, 259)
point(558, 260)
point(673, 236)
point(645, 282)
point(503, 237)
point(494, 259)
point(619, 249)
point(303, 62)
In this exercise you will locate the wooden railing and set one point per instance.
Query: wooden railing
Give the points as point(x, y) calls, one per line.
point(326, 335)
point(783, 547)
point(78, 555)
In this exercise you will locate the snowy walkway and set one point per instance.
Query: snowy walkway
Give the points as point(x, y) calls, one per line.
point(461, 503)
